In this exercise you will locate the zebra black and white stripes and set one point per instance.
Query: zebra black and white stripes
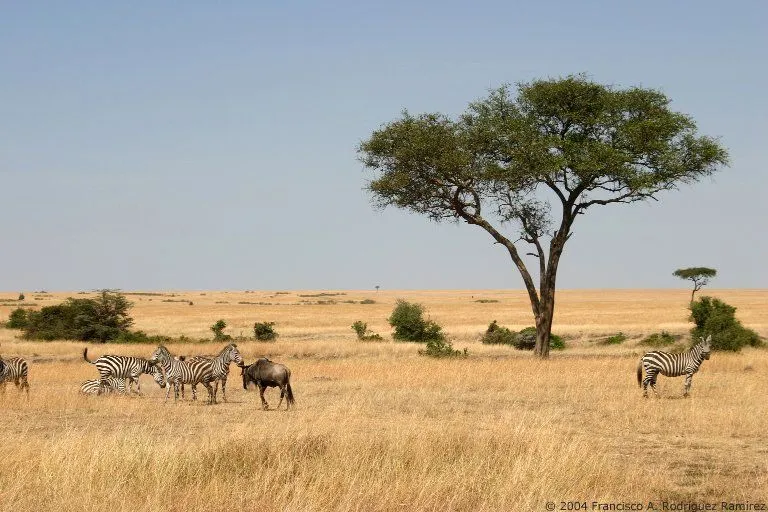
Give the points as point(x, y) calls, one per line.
point(184, 372)
point(126, 367)
point(220, 367)
point(97, 387)
point(14, 369)
point(672, 365)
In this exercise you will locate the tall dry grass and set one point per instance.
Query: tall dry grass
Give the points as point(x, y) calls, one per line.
point(378, 427)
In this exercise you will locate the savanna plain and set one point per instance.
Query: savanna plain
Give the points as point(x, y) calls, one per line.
point(377, 426)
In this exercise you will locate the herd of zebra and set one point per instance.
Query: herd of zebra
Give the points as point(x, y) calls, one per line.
point(118, 373)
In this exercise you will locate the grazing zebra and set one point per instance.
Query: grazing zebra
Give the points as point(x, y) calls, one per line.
point(14, 369)
point(111, 385)
point(127, 368)
point(178, 372)
point(672, 365)
point(220, 365)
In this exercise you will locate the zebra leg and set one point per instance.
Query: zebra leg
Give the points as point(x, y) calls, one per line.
point(168, 389)
point(25, 384)
point(223, 388)
point(211, 397)
point(194, 391)
point(653, 385)
point(688, 379)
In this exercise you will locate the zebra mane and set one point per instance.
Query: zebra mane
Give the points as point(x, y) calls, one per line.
point(228, 347)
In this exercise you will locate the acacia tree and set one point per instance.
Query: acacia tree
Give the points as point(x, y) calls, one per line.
point(568, 142)
point(700, 276)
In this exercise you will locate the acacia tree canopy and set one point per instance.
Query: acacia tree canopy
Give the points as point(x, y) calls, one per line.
point(567, 142)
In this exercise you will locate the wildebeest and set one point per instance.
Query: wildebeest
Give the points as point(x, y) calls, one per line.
point(266, 374)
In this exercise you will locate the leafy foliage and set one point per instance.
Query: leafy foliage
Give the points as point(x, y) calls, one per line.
point(699, 276)
point(101, 319)
point(21, 296)
point(523, 340)
point(568, 141)
point(498, 335)
point(661, 339)
point(408, 320)
point(718, 319)
point(441, 348)
point(616, 339)
point(218, 331)
point(363, 334)
point(264, 331)
point(17, 319)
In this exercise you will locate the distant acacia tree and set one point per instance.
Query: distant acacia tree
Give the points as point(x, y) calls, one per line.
point(569, 141)
point(700, 276)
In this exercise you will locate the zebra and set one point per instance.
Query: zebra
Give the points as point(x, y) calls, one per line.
point(127, 368)
point(111, 385)
point(178, 372)
point(14, 369)
point(220, 365)
point(672, 365)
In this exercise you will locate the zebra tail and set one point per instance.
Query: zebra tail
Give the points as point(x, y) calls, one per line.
point(85, 356)
point(289, 394)
point(640, 372)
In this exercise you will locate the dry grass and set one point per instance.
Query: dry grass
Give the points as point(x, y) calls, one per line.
point(378, 427)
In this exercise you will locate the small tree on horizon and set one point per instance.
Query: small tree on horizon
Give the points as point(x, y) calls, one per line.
point(700, 276)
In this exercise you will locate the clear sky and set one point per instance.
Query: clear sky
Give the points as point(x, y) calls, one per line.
point(212, 145)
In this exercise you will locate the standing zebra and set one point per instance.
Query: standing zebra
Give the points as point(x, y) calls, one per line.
point(111, 385)
point(672, 365)
point(14, 369)
point(220, 365)
point(178, 372)
point(127, 368)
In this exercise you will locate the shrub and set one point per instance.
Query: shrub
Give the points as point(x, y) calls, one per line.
point(100, 319)
point(218, 331)
point(616, 339)
point(367, 301)
point(18, 319)
point(526, 340)
point(497, 335)
point(263, 331)
point(408, 320)
point(441, 348)
point(21, 296)
point(142, 337)
point(716, 318)
point(363, 334)
point(661, 339)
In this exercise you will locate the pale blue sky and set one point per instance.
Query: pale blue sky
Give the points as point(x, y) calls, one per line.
point(187, 145)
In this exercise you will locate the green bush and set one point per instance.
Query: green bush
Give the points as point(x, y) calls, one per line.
point(408, 320)
point(497, 335)
point(218, 331)
point(363, 334)
point(523, 340)
point(616, 339)
point(441, 348)
point(715, 318)
point(100, 319)
point(263, 331)
point(18, 319)
point(367, 301)
point(661, 339)
point(142, 337)
point(526, 340)
point(21, 296)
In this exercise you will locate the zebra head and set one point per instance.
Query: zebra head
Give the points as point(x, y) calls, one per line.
point(235, 355)
point(159, 375)
point(706, 346)
point(160, 355)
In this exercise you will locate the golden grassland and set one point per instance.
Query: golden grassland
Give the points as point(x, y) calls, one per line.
point(379, 427)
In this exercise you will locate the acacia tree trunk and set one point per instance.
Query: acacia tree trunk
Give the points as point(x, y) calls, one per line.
point(547, 286)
